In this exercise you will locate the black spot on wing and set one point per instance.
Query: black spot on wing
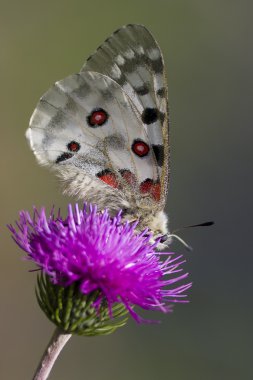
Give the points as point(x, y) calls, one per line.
point(143, 90)
point(161, 92)
point(159, 154)
point(130, 64)
point(161, 117)
point(157, 65)
point(63, 157)
point(149, 115)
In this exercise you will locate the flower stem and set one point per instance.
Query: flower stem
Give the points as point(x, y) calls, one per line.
point(56, 344)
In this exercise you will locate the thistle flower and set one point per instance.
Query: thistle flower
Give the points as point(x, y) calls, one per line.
point(102, 259)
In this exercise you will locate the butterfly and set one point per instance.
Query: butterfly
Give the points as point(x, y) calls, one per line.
point(104, 130)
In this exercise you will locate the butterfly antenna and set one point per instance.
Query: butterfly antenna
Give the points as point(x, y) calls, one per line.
point(205, 224)
point(187, 246)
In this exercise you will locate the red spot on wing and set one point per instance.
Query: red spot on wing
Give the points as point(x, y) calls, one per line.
point(98, 117)
point(156, 191)
point(109, 178)
point(128, 176)
point(73, 146)
point(145, 187)
point(151, 188)
point(140, 148)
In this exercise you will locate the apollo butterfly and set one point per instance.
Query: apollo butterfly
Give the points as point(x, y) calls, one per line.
point(104, 130)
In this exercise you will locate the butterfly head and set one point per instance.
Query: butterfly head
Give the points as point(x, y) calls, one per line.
point(155, 222)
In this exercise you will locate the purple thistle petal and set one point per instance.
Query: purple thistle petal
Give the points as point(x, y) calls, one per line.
point(101, 253)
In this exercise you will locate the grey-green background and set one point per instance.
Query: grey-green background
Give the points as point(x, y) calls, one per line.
point(207, 46)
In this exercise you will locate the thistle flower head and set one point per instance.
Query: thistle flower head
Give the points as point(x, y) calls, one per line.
point(99, 254)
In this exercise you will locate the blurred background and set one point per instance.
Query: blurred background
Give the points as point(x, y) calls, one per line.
point(207, 45)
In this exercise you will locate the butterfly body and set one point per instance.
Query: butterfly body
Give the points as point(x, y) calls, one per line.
point(104, 130)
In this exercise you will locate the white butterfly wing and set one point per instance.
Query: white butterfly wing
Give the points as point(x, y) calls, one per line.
point(63, 135)
point(132, 57)
point(105, 130)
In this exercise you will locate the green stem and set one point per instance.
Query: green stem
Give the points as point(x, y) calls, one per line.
point(56, 344)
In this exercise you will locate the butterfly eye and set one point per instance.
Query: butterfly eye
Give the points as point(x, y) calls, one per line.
point(73, 146)
point(163, 238)
point(97, 118)
point(140, 148)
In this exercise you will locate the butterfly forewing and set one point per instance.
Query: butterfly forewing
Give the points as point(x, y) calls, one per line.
point(132, 57)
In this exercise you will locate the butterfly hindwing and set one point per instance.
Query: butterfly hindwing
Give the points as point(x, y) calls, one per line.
point(86, 122)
